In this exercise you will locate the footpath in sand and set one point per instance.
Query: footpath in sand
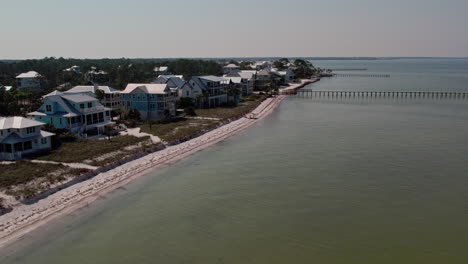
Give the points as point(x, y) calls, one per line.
point(27, 217)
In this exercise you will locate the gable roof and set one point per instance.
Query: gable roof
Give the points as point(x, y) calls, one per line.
point(212, 78)
point(247, 74)
point(52, 93)
point(177, 80)
point(78, 97)
point(161, 69)
point(235, 79)
point(18, 122)
point(29, 74)
point(91, 89)
point(231, 66)
point(149, 88)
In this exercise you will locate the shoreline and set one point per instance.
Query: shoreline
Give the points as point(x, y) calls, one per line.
point(26, 218)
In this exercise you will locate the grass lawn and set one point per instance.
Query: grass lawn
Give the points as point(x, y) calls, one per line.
point(87, 150)
point(228, 112)
point(23, 179)
point(188, 127)
point(179, 129)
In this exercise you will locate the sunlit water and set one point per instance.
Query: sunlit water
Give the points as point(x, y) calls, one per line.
point(319, 181)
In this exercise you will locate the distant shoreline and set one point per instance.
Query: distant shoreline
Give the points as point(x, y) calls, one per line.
point(256, 58)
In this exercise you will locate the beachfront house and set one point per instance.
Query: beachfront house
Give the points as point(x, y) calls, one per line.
point(80, 114)
point(206, 91)
point(231, 68)
point(29, 81)
point(110, 96)
point(263, 80)
point(21, 136)
point(152, 100)
point(247, 80)
point(287, 76)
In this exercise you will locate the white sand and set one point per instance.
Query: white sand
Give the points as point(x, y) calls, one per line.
point(25, 218)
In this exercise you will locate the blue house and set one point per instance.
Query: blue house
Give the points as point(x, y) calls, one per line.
point(153, 101)
point(81, 114)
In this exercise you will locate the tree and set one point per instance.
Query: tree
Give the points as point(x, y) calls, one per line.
point(233, 91)
point(184, 102)
point(99, 94)
point(134, 114)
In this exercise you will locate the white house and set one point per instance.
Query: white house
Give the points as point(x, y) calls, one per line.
point(206, 91)
point(29, 80)
point(20, 136)
point(111, 97)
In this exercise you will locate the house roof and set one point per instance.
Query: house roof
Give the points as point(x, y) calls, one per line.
point(247, 74)
point(149, 88)
point(18, 122)
point(263, 72)
point(231, 66)
point(178, 80)
point(7, 88)
point(52, 93)
point(161, 69)
point(212, 78)
point(235, 79)
point(30, 74)
point(78, 97)
point(15, 138)
point(169, 76)
point(91, 89)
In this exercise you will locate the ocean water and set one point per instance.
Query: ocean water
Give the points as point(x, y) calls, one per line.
point(321, 180)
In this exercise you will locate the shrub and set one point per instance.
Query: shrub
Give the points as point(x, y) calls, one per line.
point(190, 111)
point(67, 137)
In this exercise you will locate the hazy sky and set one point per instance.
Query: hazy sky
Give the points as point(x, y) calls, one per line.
point(235, 28)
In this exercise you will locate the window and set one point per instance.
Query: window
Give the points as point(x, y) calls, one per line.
point(27, 145)
point(81, 106)
point(60, 120)
point(43, 141)
point(90, 105)
point(188, 93)
point(1, 132)
point(48, 108)
point(30, 130)
point(107, 113)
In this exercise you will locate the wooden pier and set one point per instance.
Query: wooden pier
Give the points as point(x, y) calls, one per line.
point(376, 94)
point(362, 75)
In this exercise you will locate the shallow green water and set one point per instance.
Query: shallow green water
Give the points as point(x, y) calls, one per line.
point(319, 181)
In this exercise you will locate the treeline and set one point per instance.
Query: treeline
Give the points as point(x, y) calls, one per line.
point(121, 71)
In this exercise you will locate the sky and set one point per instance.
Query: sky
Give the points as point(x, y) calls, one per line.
point(233, 28)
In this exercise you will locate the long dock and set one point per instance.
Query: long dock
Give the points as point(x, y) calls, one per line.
point(376, 94)
point(362, 75)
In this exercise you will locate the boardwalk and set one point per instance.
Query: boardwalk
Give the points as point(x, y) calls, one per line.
point(362, 75)
point(377, 94)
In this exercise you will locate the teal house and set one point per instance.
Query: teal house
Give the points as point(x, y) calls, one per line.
point(153, 101)
point(80, 114)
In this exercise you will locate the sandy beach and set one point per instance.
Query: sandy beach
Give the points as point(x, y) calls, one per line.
point(26, 218)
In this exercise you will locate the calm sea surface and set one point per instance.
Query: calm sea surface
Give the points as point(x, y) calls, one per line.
point(364, 180)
